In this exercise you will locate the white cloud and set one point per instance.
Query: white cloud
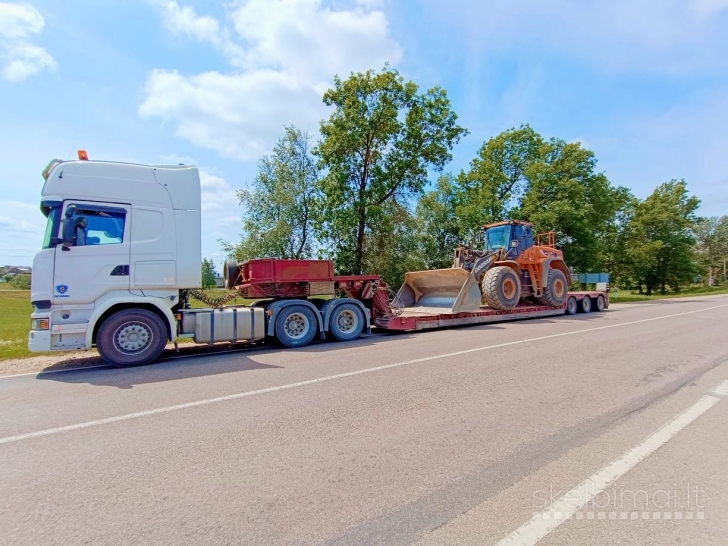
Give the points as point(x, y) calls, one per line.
point(287, 54)
point(20, 58)
point(184, 21)
point(216, 193)
point(22, 226)
point(672, 36)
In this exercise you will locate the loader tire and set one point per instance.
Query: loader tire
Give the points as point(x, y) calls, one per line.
point(501, 288)
point(556, 290)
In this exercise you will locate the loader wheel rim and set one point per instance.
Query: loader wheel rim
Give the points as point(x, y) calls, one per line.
point(296, 325)
point(132, 338)
point(559, 288)
point(347, 321)
point(509, 288)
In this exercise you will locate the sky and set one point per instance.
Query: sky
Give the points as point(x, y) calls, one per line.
point(642, 83)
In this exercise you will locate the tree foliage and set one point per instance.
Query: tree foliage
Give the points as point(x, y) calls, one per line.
point(660, 244)
point(208, 274)
point(377, 146)
point(280, 207)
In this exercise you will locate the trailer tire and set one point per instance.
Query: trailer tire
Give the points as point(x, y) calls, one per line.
point(501, 288)
point(600, 304)
point(231, 272)
point(556, 290)
point(132, 337)
point(572, 306)
point(347, 322)
point(296, 326)
point(585, 306)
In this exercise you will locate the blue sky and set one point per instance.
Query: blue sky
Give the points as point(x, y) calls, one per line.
point(643, 83)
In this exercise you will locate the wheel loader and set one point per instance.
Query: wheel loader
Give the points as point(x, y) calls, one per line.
point(511, 266)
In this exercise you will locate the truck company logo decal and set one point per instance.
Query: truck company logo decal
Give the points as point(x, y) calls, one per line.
point(62, 291)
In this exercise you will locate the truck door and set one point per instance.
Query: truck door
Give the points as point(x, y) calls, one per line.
point(97, 261)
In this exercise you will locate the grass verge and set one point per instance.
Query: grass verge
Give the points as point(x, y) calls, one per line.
point(625, 296)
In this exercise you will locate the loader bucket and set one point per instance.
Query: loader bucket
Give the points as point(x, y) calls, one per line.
point(445, 290)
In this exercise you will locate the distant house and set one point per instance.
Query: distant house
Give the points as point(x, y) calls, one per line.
point(219, 281)
point(13, 270)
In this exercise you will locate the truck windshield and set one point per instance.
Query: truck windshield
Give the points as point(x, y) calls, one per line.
point(497, 237)
point(52, 211)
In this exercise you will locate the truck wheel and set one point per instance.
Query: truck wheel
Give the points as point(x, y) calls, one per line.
point(585, 306)
point(556, 290)
point(131, 338)
point(572, 306)
point(501, 288)
point(296, 326)
point(347, 322)
point(600, 304)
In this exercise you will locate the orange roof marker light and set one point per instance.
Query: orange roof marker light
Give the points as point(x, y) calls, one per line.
point(82, 155)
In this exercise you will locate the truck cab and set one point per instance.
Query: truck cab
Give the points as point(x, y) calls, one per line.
point(118, 236)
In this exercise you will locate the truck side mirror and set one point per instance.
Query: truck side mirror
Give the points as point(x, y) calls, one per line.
point(69, 233)
point(69, 228)
point(514, 244)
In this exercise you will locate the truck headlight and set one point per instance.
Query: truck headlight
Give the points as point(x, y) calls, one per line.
point(39, 324)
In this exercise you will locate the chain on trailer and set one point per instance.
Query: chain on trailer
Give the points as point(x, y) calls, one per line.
point(214, 302)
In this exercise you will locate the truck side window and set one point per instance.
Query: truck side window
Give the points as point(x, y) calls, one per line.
point(98, 226)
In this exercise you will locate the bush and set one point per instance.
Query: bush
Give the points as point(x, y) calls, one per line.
point(21, 281)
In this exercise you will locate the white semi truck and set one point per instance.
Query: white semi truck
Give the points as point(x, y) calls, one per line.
point(121, 254)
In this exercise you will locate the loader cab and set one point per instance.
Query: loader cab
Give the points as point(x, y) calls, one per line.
point(515, 237)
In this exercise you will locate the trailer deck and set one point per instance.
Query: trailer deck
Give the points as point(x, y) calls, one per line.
point(428, 317)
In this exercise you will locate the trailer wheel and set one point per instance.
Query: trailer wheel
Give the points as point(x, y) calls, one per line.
point(501, 288)
point(347, 322)
point(296, 326)
point(132, 337)
point(556, 290)
point(585, 306)
point(231, 272)
point(572, 306)
point(600, 304)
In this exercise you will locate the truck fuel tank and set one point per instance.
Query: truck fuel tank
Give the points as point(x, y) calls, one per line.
point(227, 324)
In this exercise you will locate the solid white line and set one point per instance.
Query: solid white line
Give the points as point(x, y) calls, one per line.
point(566, 506)
point(125, 417)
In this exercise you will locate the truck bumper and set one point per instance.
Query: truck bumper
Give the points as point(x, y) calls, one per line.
point(39, 341)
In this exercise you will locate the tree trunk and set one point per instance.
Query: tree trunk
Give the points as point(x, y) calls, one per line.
point(663, 289)
point(359, 255)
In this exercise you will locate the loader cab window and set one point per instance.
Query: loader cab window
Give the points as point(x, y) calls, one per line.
point(498, 237)
point(98, 226)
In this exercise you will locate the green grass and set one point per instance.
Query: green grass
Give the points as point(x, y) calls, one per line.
point(15, 310)
point(625, 296)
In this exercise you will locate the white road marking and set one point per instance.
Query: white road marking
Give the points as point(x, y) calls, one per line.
point(205, 402)
point(721, 390)
point(566, 506)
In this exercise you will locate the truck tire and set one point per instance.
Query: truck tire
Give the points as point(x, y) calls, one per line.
point(572, 306)
point(501, 288)
point(231, 272)
point(556, 290)
point(132, 337)
point(585, 306)
point(296, 326)
point(600, 304)
point(347, 322)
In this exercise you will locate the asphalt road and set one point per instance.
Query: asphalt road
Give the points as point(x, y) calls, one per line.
point(464, 436)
